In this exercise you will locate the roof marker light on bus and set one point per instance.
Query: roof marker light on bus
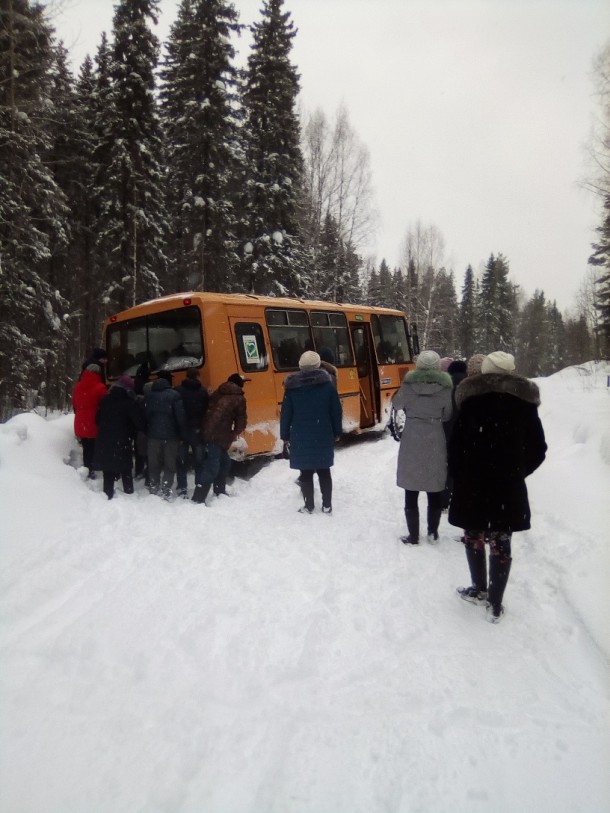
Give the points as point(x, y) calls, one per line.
point(186, 301)
point(113, 318)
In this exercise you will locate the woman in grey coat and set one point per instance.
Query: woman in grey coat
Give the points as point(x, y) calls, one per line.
point(425, 396)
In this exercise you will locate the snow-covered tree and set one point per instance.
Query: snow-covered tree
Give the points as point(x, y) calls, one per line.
point(497, 307)
point(33, 212)
point(199, 113)
point(271, 247)
point(467, 334)
point(131, 182)
point(600, 259)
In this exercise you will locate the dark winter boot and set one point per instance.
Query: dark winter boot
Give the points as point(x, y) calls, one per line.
point(477, 563)
point(307, 492)
point(499, 569)
point(200, 493)
point(412, 516)
point(434, 518)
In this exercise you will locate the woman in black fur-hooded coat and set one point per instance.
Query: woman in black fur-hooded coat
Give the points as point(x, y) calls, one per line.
point(496, 442)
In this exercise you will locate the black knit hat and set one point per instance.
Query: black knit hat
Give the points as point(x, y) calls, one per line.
point(238, 379)
point(457, 366)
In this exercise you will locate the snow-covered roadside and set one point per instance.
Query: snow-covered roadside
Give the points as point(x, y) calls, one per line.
point(244, 657)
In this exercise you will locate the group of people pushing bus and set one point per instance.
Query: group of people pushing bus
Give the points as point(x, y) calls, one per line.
point(168, 425)
point(471, 436)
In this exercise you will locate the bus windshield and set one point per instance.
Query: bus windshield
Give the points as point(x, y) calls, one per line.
point(391, 340)
point(171, 340)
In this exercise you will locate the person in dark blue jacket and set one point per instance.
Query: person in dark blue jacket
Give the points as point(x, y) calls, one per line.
point(196, 399)
point(166, 426)
point(310, 422)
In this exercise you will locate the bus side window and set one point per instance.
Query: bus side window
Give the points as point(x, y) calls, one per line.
point(250, 342)
point(289, 336)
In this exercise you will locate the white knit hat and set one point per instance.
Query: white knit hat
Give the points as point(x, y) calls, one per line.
point(310, 360)
point(498, 362)
point(428, 360)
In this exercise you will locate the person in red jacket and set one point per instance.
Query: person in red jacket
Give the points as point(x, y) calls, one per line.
point(86, 396)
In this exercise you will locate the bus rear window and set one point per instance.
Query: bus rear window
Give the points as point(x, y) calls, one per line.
point(171, 340)
point(289, 336)
point(390, 336)
point(330, 332)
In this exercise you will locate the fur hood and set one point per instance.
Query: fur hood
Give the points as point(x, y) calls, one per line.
point(428, 377)
point(306, 378)
point(509, 384)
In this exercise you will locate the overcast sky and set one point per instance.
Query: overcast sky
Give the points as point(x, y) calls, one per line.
point(475, 112)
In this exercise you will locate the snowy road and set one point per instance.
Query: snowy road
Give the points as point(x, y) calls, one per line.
point(244, 658)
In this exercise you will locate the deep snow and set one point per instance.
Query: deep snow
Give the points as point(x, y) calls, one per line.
point(244, 658)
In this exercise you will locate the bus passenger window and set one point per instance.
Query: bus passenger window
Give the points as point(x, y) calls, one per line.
point(251, 346)
point(289, 335)
point(330, 331)
point(390, 335)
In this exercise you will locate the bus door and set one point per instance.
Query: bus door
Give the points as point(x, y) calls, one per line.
point(367, 373)
point(262, 433)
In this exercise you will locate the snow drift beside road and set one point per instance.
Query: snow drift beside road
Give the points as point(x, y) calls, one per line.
point(244, 658)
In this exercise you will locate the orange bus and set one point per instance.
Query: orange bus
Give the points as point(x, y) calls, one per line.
point(263, 338)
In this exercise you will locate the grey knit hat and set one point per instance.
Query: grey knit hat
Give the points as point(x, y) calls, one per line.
point(498, 362)
point(428, 360)
point(310, 360)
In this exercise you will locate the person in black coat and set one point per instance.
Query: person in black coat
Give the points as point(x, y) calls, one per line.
point(196, 399)
point(118, 419)
point(496, 442)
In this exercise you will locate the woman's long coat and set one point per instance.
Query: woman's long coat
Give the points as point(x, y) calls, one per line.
point(311, 419)
point(118, 419)
point(425, 396)
point(496, 442)
point(88, 392)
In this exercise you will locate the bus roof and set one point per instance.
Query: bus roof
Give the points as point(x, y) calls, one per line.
point(163, 302)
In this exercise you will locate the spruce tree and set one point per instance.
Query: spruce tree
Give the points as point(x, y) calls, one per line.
point(467, 316)
point(400, 290)
point(32, 214)
point(600, 259)
point(350, 289)
point(578, 341)
point(273, 256)
point(69, 157)
point(373, 289)
point(132, 223)
point(325, 280)
point(203, 156)
point(442, 327)
point(556, 344)
point(533, 336)
point(497, 307)
point(86, 302)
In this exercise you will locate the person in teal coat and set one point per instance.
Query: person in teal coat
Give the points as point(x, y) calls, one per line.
point(310, 422)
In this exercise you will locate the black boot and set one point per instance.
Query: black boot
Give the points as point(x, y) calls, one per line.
point(499, 569)
point(412, 516)
point(434, 518)
point(200, 493)
point(477, 564)
point(307, 492)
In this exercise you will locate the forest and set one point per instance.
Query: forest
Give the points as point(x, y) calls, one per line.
point(166, 167)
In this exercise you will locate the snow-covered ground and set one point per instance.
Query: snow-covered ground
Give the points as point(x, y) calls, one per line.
point(244, 658)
